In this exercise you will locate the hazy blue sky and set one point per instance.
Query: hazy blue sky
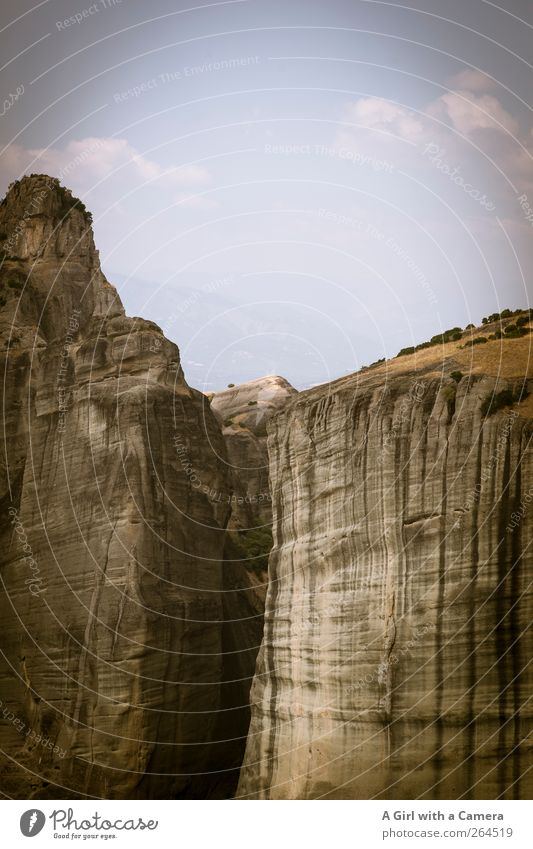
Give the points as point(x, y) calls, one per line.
point(298, 187)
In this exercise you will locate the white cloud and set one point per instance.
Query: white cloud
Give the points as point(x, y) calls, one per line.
point(463, 111)
point(472, 113)
point(469, 124)
point(381, 114)
point(84, 162)
point(471, 80)
point(467, 112)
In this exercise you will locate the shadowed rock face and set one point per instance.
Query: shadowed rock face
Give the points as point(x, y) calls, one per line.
point(396, 643)
point(244, 412)
point(112, 603)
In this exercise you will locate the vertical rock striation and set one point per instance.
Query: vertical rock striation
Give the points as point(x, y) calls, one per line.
point(243, 412)
point(111, 571)
point(397, 635)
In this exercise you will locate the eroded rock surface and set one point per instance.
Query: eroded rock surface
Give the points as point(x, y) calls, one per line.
point(112, 581)
point(397, 628)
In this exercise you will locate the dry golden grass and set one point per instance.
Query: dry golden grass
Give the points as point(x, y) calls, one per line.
point(505, 358)
point(497, 358)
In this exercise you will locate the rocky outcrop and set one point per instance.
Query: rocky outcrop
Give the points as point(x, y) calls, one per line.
point(113, 535)
point(397, 628)
point(244, 412)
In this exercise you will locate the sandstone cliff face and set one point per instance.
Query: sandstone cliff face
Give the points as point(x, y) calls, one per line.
point(396, 643)
point(112, 603)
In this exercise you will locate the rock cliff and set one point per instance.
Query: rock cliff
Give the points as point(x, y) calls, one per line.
point(395, 655)
point(243, 412)
point(397, 634)
point(113, 532)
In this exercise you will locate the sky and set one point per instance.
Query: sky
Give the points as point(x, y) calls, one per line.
point(297, 188)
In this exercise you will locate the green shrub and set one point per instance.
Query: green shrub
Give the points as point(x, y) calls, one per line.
point(496, 316)
point(372, 365)
point(67, 202)
point(252, 403)
point(456, 375)
point(450, 335)
point(449, 391)
point(228, 423)
point(453, 334)
point(517, 333)
point(231, 385)
point(504, 398)
point(252, 547)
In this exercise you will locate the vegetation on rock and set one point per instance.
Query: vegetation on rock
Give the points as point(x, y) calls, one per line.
point(505, 398)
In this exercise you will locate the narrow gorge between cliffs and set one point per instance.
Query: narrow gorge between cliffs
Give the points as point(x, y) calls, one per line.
point(375, 523)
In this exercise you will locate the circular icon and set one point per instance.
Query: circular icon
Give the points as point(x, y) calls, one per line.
point(32, 822)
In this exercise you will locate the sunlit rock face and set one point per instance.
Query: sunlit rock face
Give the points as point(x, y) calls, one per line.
point(396, 644)
point(113, 532)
